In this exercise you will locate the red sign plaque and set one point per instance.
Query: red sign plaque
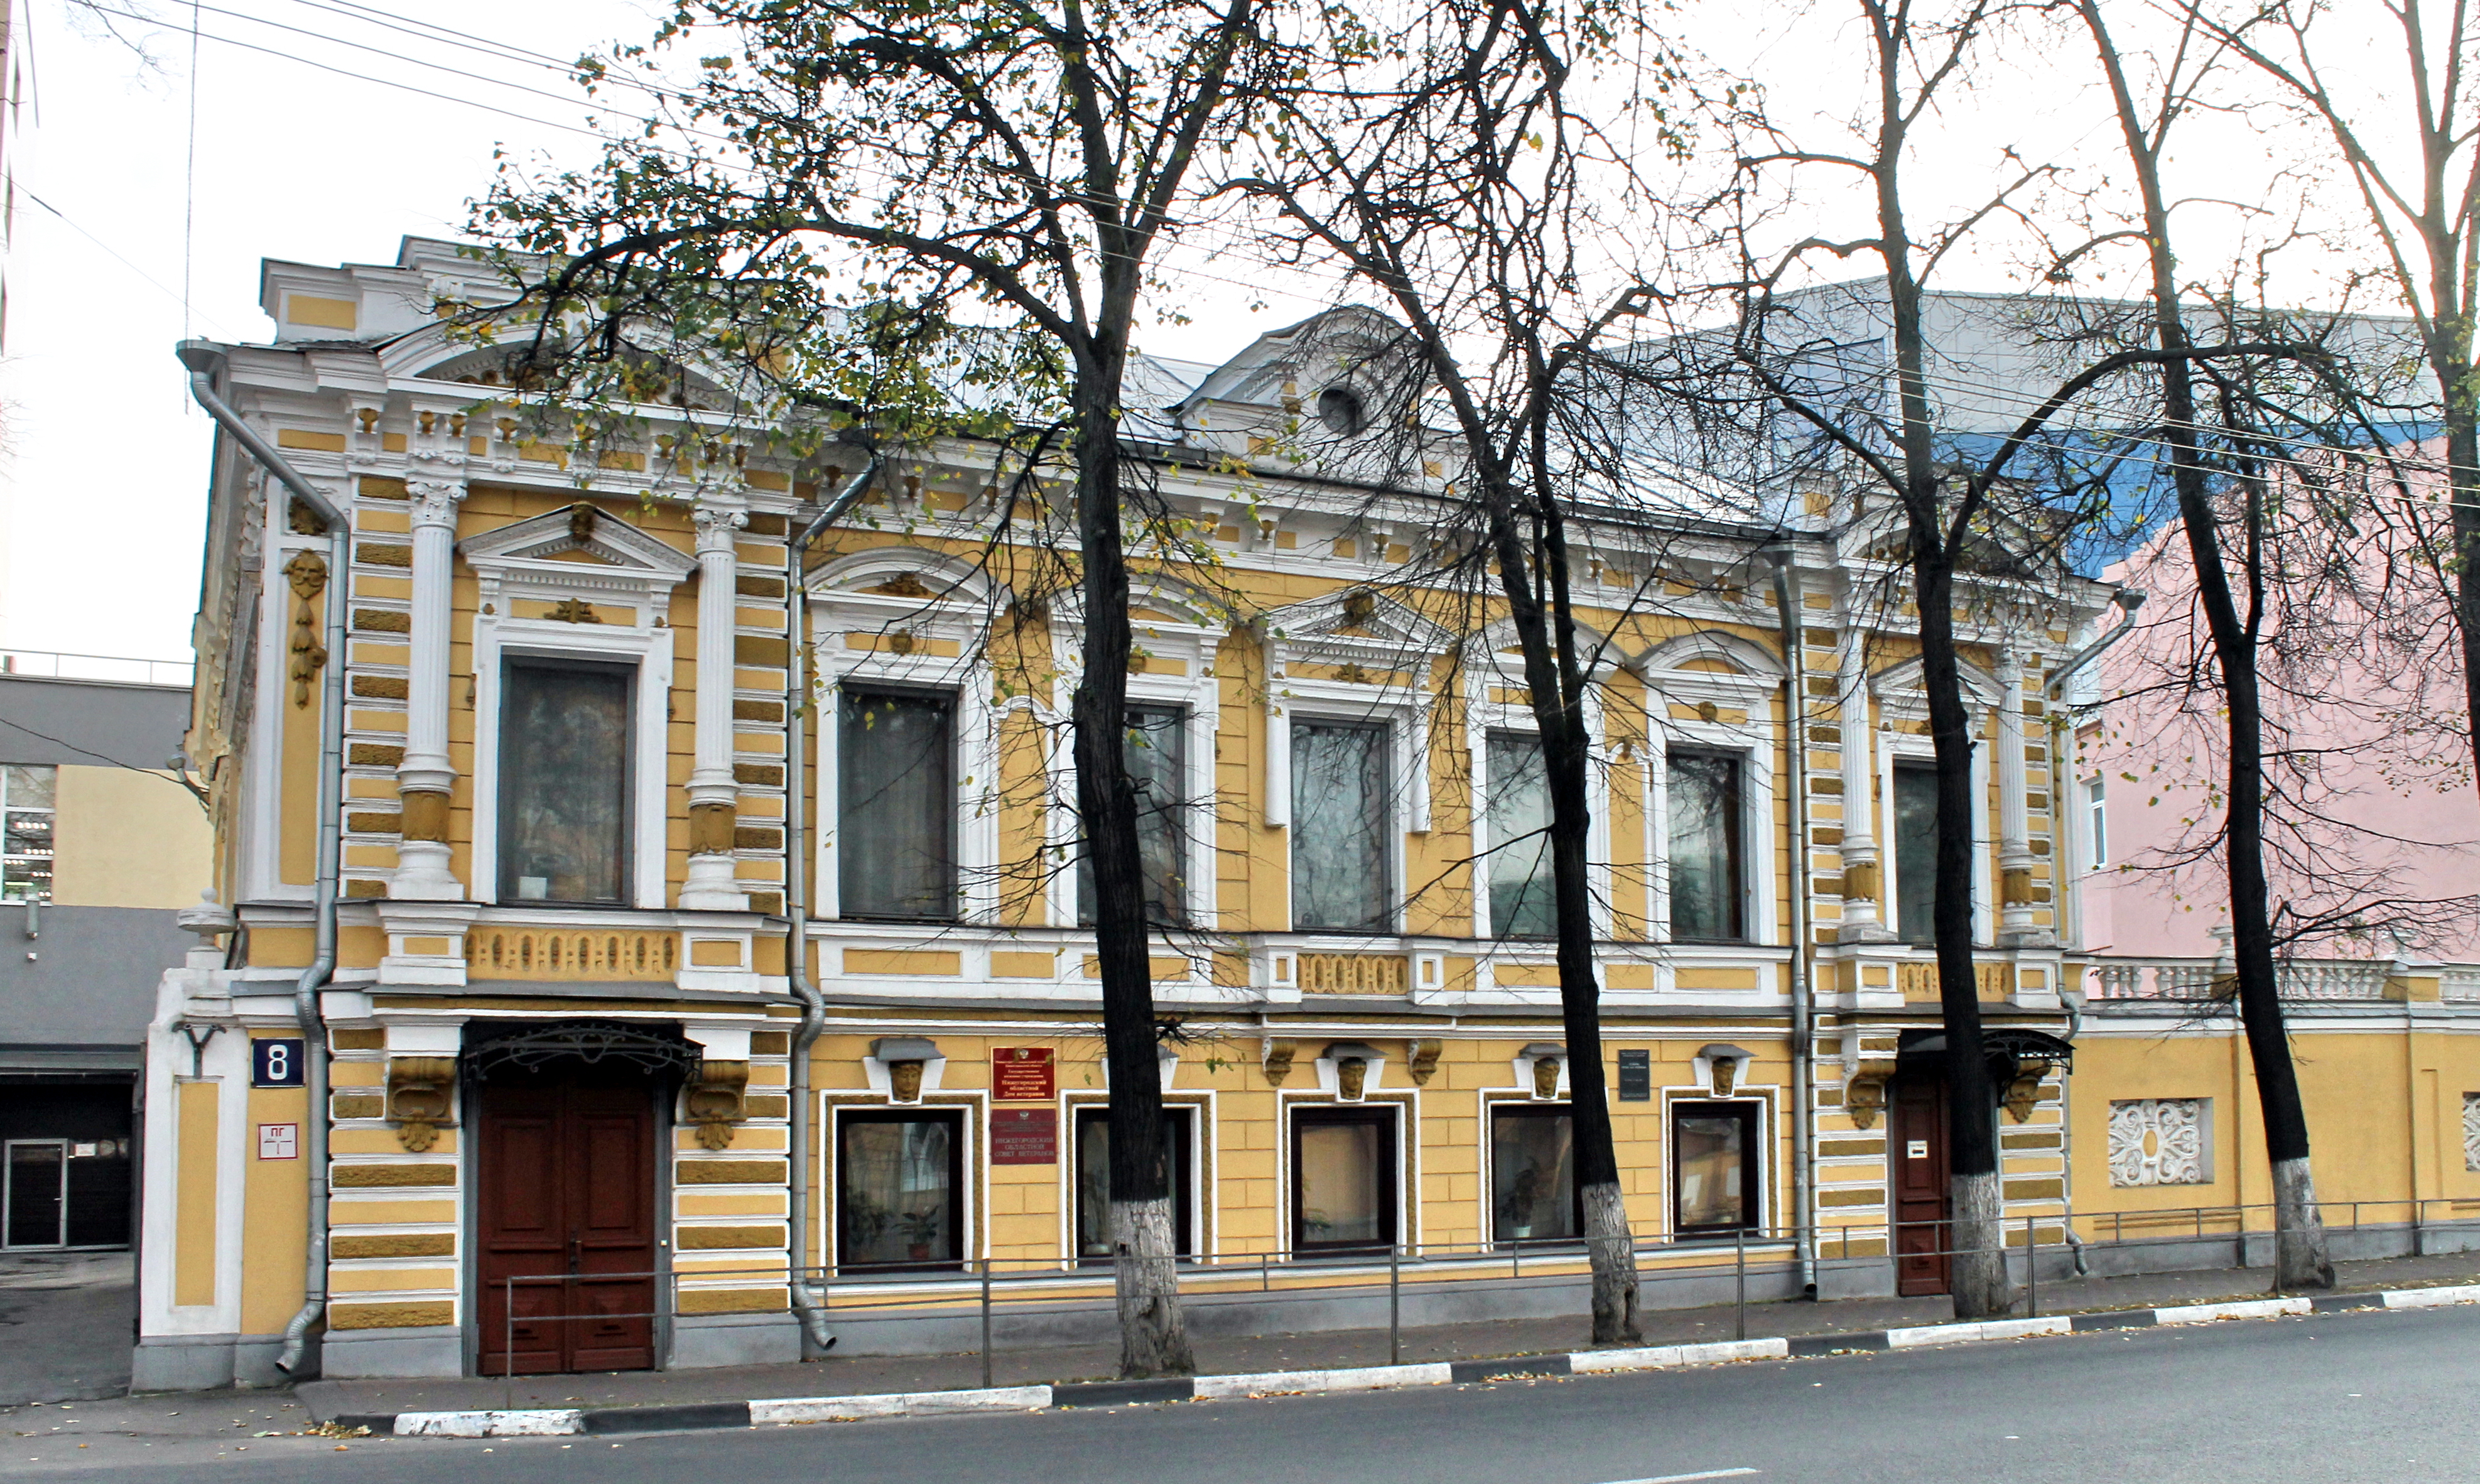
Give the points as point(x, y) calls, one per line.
point(1024, 1136)
point(1023, 1074)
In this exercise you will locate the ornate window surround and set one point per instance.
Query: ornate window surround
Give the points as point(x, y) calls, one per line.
point(1490, 663)
point(633, 572)
point(1900, 699)
point(1395, 639)
point(1170, 622)
point(956, 611)
point(1750, 682)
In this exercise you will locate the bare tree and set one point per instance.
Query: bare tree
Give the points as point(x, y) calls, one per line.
point(977, 203)
point(1465, 169)
point(2235, 617)
point(2421, 203)
point(2005, 502)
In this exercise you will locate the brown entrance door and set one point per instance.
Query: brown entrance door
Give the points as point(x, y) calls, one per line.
point(1918, 1126)
point(567, 1194)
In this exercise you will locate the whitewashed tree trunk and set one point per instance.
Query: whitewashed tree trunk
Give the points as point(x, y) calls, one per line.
point(1978, 1266)
point(2301, 1256)
point(1613, 1249)
point(1153, 1336)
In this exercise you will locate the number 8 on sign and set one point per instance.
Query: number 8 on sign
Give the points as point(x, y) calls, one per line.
point(275, 1062)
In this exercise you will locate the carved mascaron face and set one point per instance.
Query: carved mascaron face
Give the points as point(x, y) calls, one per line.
point(1350, 1076)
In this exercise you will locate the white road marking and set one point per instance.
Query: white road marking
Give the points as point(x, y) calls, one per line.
point(1685, 1478)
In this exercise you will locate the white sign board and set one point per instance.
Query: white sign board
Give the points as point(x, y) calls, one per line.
point(279, 1142)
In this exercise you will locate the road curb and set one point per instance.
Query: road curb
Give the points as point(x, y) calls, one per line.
point(692, 1417)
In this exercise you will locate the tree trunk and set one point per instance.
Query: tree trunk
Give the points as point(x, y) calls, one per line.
point(1556, 689)
point(2462, 481)
point(2299, 1231)
point(1154, 1338)
point(1976, 1235)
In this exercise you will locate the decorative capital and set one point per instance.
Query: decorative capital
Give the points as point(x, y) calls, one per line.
point(716, 527)
point(434, 502)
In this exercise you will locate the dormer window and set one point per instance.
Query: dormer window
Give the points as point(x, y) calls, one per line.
point(1340, 409)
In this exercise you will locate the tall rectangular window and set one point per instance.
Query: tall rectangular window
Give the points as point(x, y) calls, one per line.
point(564, 782)
point(1532, 1175)
point(1094, 1180)
point(2097, 813)
point(896, 836)
point(1343, 1178)
point(898, 1176)
point(1705, 882)
point(26, 803)
point(1916, 854)
point(1713, 1167)
point(1156, 748)
point(1516, 813)
point(1342, 871)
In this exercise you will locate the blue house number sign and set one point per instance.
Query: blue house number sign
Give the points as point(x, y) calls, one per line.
point(276, 1064)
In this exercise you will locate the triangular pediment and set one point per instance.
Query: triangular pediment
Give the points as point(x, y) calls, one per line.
point(1361, 621)
point(577, 535)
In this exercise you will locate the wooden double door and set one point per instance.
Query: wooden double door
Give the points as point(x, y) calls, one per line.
point(1924, 1213)
point(566, 1187)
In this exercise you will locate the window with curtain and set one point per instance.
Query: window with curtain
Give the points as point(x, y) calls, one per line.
point(1707, 899)
point(1343, 1178)
point(1916, 854)
point(564, 782)
point(897, 1179)
point(895, 791)
point(1093, 1181)
point(1532, 1175)
point(1342, 871)
point(1516, 813)
point(1156, 748)
point(26, 802)
point(1713, 1167)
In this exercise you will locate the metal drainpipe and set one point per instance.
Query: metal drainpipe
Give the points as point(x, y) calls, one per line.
point(1788, 605)
point(815, 1338)
point(203, 361)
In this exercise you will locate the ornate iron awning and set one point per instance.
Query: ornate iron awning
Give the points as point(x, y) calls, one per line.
point(2011, 1049)
point(656, 1049)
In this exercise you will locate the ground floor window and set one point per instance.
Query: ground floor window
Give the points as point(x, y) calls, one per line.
point(1713, 1167)
point(899, 1184)
point(1343, 1178)
point(1532, 1175)
point(1094, 1180)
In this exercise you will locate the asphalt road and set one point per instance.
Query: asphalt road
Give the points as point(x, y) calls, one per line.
point(2357, 1396)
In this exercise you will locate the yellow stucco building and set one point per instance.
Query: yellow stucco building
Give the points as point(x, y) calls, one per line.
point(562, 1110)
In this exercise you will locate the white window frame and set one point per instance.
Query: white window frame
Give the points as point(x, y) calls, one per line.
point(1486, 668)
point(1752, 686)
point(1900, 702)
point(838, 606)
point(1398, 640)
point(1191, 638)
point(635, 574)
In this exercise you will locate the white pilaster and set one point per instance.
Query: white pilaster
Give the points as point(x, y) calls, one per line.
point(426, 778)
point(712, 792)
point(2015, 927)
point(1863, 878)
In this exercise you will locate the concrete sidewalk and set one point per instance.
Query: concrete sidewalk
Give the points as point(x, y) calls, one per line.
point(863, 1375)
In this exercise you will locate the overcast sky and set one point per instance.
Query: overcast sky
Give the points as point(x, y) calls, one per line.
point(120, 202)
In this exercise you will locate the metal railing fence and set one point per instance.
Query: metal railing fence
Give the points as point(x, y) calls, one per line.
point(984, 1290)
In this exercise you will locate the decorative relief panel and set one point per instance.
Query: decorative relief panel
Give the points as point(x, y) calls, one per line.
point(2472, 1131)
point(2157, 1141)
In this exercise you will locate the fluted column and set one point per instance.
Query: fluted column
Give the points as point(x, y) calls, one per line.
point(712, 792)
point(425, 778)
point(2015, 927)
point(1863, 920)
